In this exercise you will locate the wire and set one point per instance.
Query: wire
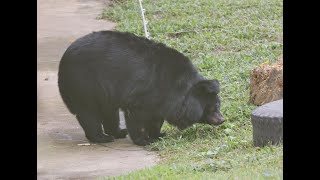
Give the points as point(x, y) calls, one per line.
point(144, 20)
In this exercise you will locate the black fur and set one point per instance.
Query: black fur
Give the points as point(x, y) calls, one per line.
point(104, 71)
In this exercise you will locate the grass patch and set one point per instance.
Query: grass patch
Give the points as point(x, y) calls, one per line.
point(225, 39)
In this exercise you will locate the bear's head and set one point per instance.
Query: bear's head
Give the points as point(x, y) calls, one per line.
point(202, 105)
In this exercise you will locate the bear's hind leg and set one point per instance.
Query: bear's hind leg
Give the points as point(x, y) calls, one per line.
point(111, 124)
point(91, 124)
point(136, 121)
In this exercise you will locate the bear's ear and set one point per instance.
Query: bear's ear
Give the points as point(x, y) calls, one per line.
point(208, 86)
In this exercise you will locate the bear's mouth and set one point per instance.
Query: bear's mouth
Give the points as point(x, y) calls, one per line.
point(216, 119)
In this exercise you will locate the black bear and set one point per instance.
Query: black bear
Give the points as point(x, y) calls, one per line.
point(105, 71)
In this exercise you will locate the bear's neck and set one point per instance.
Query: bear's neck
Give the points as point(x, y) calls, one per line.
point(174, 115)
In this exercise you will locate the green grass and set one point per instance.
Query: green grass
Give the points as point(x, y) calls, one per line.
point(225, 39)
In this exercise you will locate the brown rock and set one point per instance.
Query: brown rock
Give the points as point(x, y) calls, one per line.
point(266, 83)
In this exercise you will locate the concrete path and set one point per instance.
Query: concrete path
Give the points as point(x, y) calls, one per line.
point(62, 152)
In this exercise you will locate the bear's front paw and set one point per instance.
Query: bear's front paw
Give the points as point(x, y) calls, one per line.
point(162, 135)
point(101, 138)
point(154, 139)
point(141, 142)
point(157, 137)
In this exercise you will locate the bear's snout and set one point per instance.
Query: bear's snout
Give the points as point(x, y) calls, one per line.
point(216, 119)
